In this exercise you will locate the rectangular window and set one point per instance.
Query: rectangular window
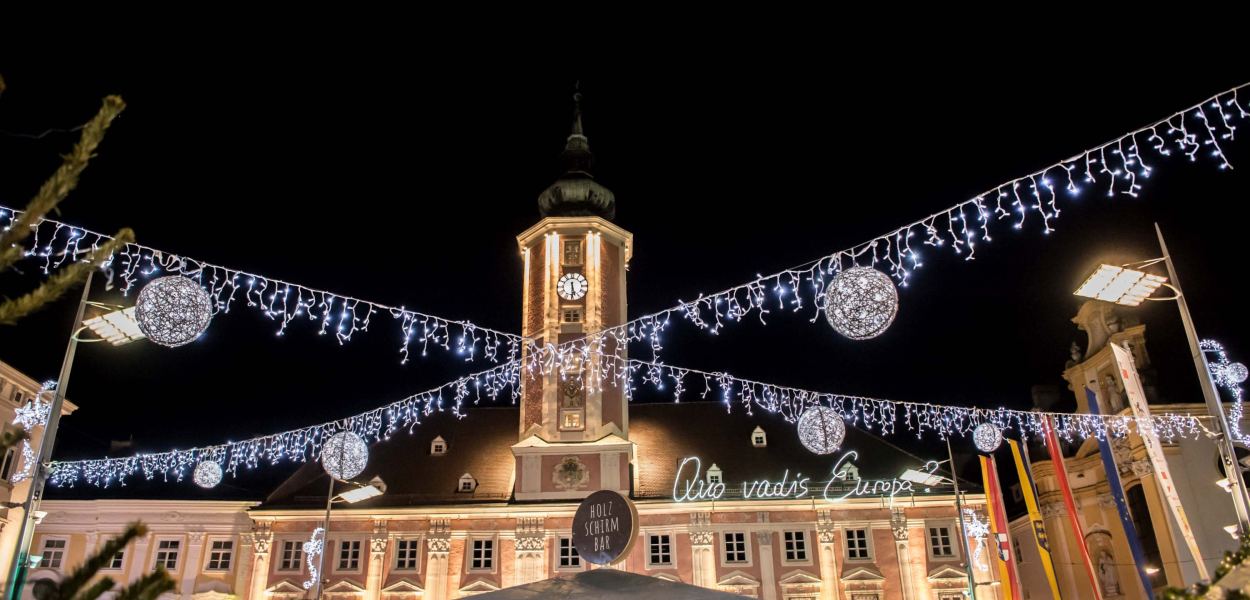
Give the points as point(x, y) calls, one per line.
point(940, 542)
point(118, 561)
point(219, 555)
point(796, 545)
point(735, 547)
point(572, 315)
point(572, 252)
point(167, 554)
point(292, 554)
point(857, 544)
point(406, 555)
point(483, 558)
point(569, 557)
point(349, 555)
point(53, 553)
point(6, 469)
point(1015, 547)
point(659, 550)
point(571, 419)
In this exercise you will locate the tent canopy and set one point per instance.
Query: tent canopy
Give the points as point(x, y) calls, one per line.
point(607, 584)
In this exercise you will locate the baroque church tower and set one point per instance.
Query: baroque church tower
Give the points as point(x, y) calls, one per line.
point(573, 438)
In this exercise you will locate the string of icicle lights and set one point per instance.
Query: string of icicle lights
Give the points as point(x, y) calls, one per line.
point(883, 417)
point(55, 243)
point(1118, 167)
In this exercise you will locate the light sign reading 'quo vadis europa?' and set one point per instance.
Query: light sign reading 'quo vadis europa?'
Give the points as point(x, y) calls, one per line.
point(604, 527)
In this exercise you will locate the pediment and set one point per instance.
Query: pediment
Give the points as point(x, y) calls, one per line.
point(285, 587)
point(947, 572)
point(799, 578)
point(862, 573)
point(479, 586)
point(737, 578)
point(403, 586)
point(345, 586)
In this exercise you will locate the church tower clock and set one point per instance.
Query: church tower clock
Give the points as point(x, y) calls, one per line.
point(574, 435)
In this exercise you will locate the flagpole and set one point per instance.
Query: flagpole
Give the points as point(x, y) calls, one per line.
point(963, 534)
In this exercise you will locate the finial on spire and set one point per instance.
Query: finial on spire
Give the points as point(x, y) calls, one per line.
point(577, 109)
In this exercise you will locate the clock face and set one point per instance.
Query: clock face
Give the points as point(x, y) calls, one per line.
point(572, 286)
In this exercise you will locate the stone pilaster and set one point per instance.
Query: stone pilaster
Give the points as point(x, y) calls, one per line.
point(530, 550)
point(827, 556)
point(438, 549)
point(262, 539)
point(898, 525)
point(243, 567)
point(768, 576)
point(703, 554)
point(139, 561)
point(377, 561)
point(191, 566)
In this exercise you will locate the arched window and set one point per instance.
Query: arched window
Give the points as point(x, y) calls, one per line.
point(1145, 533)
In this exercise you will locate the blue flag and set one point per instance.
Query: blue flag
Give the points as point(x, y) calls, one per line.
point(1121, 505)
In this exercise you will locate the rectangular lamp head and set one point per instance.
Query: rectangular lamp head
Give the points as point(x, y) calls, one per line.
point(1119, 285)
point(118, 327)
point(360, 493)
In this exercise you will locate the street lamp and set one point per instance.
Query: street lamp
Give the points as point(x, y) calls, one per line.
point(1128, 285)
point(376, 487)
point(114, 324)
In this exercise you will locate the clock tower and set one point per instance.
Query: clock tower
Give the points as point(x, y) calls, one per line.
point(574, 434)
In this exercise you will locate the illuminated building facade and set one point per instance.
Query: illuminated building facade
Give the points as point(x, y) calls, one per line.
point(486, 502)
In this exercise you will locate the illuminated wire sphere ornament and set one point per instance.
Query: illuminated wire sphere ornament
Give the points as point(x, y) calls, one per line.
point(207, 474)
point(344, 455)
point(1236, 372)
point(173, 310)
point(987, 436)
point(860, 303)
point(821, 430)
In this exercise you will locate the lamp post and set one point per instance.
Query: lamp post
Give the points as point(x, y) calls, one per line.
point(1129, 287)
point(375, 487)
point(117, 327)
point(929, 478)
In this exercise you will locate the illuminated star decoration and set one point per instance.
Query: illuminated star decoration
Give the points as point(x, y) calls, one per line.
point(977, 530)
point(1230, 376)
point(312, 548)
point(33, 414)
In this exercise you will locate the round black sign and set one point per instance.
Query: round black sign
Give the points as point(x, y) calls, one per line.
point(604, 527)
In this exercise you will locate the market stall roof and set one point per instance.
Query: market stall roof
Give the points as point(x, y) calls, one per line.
point(607, 584)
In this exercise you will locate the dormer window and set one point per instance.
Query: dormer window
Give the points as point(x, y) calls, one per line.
point(758, 438)
point(850, 473)
point(714, 474)
point(438, 447)
point(467, 484)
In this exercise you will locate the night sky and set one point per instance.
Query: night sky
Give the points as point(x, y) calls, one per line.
point(404, 183)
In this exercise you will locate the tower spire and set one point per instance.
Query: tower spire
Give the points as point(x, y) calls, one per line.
point(576, 193)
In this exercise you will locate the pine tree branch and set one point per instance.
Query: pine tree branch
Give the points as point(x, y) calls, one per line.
point(79, 577)
point(147, 587)
point(97, 589)
point(62, 182)
point(63, 280)
point(12, 437)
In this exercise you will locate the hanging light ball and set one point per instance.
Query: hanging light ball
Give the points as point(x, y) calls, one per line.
point(344, 455)
point(987, 436)
point(821, 430)
point(207, 474)
point(173, 310)
point(860, 303)
point(1236, 372)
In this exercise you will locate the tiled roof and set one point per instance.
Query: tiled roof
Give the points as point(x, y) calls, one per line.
point(480, 444)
